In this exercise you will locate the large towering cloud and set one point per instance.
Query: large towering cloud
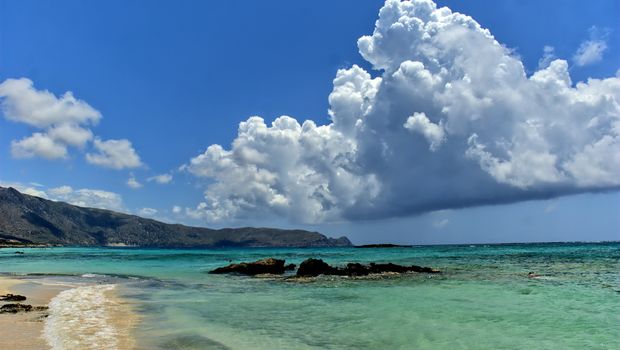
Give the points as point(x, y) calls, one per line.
point(452, 121)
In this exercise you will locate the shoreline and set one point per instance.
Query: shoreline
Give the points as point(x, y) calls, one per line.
point(67, 302)
point(25, 330)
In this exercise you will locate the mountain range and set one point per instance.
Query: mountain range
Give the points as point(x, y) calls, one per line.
point(26, 219)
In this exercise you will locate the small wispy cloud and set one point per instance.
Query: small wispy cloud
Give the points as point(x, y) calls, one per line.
point(547, 57)
point(591, 51)
point(133, 183)
point(147, 212)
point(160, 179)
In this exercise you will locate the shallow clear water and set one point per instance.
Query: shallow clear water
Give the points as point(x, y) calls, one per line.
point(483, 300)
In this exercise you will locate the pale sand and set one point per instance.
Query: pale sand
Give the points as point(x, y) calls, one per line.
point(24, 331)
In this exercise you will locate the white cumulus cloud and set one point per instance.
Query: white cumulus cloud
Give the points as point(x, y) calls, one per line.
point(23, 103)
point(450, 120)
point(87, 197)
point(62, 122)
point(32, 190)
point(115, 154)
point(285, 168)
point(38, 145)
point(84, 197)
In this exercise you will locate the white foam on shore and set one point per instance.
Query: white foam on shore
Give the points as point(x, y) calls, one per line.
point(79, 319)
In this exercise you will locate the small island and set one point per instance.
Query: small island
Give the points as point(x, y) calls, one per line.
point(383, 245)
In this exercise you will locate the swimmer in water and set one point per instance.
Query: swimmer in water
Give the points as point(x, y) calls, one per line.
point(532, 275)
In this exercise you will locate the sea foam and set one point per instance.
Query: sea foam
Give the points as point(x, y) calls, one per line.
point(79, 319)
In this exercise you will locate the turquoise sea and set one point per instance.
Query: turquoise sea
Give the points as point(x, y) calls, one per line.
point(483, 300)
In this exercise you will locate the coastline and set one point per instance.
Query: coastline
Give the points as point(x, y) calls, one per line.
point(40, 329)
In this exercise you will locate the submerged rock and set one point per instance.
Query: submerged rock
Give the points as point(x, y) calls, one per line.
point(15, 308)
point(12, 297)
point(389, 267)
point(264, 266)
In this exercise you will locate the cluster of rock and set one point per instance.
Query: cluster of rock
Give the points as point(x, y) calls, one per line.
point(315, 267)
point(12, 297)
point(15, 307)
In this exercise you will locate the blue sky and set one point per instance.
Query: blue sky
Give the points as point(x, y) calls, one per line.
point(173, 78)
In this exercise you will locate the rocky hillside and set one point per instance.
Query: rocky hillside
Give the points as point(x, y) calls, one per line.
point(30, 219)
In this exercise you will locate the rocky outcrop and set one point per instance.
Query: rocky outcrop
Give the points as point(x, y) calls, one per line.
point(12, 297)
point(316, 267)
point(264, 266)
point(30, 221)
point(15, 308)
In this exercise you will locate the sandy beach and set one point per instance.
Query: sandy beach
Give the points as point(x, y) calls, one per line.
point(25, 331)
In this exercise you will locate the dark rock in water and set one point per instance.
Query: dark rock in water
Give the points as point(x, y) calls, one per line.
point(356, 269)
point(389, 267)
point(12, 297)
point(290, 267)
point(382, 245)
point(314, 267)
point(269, 265)
point(15, 308)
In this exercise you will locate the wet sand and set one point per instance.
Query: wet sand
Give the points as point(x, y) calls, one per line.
point(24, 331)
